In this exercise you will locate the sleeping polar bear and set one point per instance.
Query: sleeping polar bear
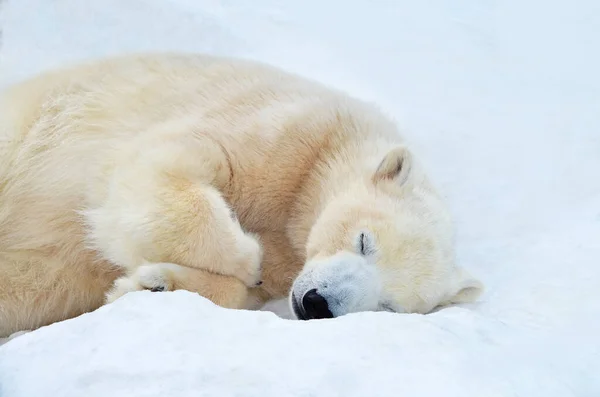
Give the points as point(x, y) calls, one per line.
point(177, 171)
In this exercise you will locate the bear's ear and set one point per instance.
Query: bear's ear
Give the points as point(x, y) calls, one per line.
point(395, 166)
point(466, 288)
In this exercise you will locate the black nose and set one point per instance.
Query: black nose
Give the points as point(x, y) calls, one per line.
point(315, 306)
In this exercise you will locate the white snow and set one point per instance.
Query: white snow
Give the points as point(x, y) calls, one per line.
point(502, 101)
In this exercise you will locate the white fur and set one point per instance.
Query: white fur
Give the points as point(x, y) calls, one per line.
point(209, 174)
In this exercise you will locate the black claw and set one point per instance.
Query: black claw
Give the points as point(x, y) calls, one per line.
point(158, 289)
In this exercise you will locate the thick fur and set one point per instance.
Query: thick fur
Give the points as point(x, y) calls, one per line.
point(175, 171)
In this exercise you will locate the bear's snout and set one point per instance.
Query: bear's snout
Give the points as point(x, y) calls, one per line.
point(312, 306)
point(334, 286)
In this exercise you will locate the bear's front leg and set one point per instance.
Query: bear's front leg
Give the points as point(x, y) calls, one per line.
point(158, 218)
point(225, 291)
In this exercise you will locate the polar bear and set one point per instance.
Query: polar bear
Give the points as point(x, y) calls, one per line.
point(222, 176)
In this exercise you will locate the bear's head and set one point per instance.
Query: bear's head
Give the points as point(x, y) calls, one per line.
point(385, 243)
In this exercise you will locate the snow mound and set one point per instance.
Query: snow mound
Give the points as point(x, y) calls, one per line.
point(180, 344)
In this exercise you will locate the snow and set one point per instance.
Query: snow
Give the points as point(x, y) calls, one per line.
point(502, 102)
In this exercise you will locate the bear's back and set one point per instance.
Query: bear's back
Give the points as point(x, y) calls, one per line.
point(68, 126)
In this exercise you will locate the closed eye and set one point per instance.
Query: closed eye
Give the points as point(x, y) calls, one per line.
point(361, 243)
point(365, 244)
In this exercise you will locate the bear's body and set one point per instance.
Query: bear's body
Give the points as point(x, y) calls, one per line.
point(126, 168)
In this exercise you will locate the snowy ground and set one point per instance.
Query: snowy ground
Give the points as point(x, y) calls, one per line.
point(500, 98)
